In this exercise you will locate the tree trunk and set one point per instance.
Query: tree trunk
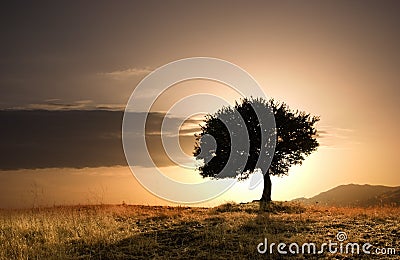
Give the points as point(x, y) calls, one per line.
point(266, 195)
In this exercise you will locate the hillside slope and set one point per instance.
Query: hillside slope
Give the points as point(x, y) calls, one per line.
point(357, 195)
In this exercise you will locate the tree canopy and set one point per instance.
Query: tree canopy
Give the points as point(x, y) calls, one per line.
point(293, 136)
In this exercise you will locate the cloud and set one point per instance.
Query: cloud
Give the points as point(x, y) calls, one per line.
point(60, 138)
point(188, 128)
point(127, 73)
point(65, 138)
point(336, 137)
point(32, 139)
point(111, 107)
point(57, 104)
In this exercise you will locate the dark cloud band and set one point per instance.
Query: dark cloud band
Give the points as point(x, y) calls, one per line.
point(31, 139)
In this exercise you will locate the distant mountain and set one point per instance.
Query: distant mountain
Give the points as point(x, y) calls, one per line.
point(387, 198)
point(357, 195)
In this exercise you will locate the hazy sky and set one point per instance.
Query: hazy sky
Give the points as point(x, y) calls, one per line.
point(336, 59)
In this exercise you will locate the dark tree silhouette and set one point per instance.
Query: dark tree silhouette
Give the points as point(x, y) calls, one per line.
point(235, 141)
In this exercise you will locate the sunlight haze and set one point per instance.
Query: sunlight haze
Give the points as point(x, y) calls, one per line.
point(338, 60)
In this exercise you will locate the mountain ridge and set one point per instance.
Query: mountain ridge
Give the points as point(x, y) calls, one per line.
point(362, 195)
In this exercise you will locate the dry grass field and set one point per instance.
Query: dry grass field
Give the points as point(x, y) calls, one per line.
point(230, 231)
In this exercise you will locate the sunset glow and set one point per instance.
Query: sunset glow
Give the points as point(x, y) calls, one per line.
point(337, 60)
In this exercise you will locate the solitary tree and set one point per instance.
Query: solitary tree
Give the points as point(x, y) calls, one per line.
point(235, 141)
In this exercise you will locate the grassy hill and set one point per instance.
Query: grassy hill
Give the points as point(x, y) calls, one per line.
point(391, 197)
point(357, 195)
point(230, 231)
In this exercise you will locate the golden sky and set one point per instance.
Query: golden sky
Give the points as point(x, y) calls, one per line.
point(338, 60)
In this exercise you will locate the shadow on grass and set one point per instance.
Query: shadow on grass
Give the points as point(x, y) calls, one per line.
point(228, 231)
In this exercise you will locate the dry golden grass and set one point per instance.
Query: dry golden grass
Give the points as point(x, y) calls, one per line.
point(228, 231)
